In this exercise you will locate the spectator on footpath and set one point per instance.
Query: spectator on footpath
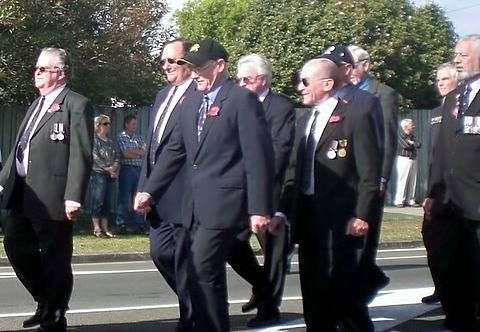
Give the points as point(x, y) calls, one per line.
point(106, 165)
point(406, 165)
point(254, 73)
point(43, 182)
point(433, 229)
point(132, 148)
point(454, 190)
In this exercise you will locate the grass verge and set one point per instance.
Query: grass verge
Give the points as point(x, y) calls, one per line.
point(395, 228)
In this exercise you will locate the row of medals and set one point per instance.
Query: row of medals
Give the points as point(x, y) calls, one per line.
point(337, 149)
point(58, 132)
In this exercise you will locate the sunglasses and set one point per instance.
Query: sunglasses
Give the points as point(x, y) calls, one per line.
point(105, 124)
point(172, 61)
point(306, 82)
point(43, 69)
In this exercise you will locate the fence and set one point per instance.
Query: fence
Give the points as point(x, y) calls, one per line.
point(11, 116)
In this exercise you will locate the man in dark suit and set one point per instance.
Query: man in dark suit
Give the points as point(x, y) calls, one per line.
point(254, 73)
point(373, 276)
point(43, 182)
point(329, 196)
point(167, 233)
point(454, 190)
point(433, 231)
point(222, 136)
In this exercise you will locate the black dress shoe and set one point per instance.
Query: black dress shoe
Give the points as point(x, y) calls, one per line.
point(431, 299)
point(54, 322)
point(264, 318)
point(251, 304)
point(36, 319)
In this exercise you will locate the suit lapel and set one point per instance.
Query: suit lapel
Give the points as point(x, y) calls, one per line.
point(474, 108)
point(332, 126)
point(209, 121)
point(28, 115)
point(48, 115)
point(267, 102)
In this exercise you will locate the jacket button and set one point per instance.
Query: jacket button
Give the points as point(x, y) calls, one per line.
point(195, 166)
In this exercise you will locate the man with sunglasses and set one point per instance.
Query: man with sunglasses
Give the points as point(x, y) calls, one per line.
point(167, 233)
point(373, 277)
point(254, 73)
point(44, 182)
point(329, 194)
point(221, 134)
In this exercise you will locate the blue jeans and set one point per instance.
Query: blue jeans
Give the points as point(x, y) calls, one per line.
point(127, 187)
point(100, 194)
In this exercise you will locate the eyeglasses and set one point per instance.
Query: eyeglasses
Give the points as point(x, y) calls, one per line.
point(172, 61)
point(248, 79)
point(43, 69)
point(306, 82)
point(105, 124)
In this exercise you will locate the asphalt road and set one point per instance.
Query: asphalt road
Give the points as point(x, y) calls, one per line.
point(132, 296)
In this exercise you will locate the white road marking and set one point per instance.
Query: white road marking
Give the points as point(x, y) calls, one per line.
point(384, 299)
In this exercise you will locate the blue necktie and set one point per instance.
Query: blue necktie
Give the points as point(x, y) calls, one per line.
point(463, 99)
point(22, 144)
point(202, 115)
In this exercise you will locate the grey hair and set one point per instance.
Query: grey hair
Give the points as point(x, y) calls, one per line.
point(450, 67)
point(98, 119)
point(63, 58)
point(359, 54)
point(259, 63)
point(405, 122)
point(475, 38)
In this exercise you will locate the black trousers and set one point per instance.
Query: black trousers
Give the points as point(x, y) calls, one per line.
point(267, 282)
point(40, 252)
point(169, 251)
point(453, 245)
point(209, 250)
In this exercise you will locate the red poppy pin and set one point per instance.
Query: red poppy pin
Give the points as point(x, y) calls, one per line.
point(213, 111)
point(54, 108)
point(335, 119)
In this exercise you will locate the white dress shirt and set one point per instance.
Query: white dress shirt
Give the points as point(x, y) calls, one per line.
point(175, 99)
point(325, 110)
point(475, 85)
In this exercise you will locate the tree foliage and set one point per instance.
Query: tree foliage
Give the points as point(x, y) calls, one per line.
point(110, 42)
point(405, 43)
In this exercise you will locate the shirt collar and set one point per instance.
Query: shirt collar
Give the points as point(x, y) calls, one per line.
point(262, 95)
point(365, 83)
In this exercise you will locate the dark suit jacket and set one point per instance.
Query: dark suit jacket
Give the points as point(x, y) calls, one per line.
point(168, 206)
point(389, 102)
point(456, 158)
point(280, 117)
point(344, 187)
point(230, 171)
point(58, 170)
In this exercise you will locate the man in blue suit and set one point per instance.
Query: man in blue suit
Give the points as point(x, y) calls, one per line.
point(222, 138)
point(167, 233)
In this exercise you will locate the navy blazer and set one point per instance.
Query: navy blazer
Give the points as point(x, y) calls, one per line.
point(229, 172)
point(168, 206)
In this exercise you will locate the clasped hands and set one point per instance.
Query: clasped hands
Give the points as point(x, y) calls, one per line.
point(142, 202)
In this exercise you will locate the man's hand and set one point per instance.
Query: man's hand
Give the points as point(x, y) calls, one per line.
point(357, 227)
point(427, 207)
point(259, 224)
point(71, 212)
point(142, 203)
point(276, 224)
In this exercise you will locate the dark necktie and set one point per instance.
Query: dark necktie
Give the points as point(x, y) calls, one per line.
point(309, 154)
point(202, 115)
point(22, 144)
point(155, 141)
point(463, 99)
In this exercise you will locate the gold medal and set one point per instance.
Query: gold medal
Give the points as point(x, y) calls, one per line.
point(342, 152)
point(342, 149)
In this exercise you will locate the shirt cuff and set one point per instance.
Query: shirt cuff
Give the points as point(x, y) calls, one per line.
point(1, 189)
point(72, 204)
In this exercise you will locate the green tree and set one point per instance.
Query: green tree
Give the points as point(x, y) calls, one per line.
point(405, 43)
point(110, 42)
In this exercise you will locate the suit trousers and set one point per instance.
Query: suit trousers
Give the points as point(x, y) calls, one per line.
point(454, 255)
point(40, 252)
point(209, 250)
point(329, 264)
point(169, 250)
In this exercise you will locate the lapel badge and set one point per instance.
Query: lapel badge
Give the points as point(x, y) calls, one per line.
point(213, 111)
point(342, 150)
point(54, 108)
point(332, 150)
point(194, 48)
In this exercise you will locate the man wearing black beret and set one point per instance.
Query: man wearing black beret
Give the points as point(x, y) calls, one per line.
point(223, 137)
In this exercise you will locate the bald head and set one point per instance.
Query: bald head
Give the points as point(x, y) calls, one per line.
point(317, 79)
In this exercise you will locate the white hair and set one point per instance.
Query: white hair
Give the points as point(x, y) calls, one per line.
point(450, 68)
point(405, 122)
point(475, 38)
point(259, 63)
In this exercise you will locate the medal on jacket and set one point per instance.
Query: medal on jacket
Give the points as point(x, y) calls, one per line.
point(61, 132)
point(342, 150)
point(53, 135)
point(332, 150)
point(471, 125)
